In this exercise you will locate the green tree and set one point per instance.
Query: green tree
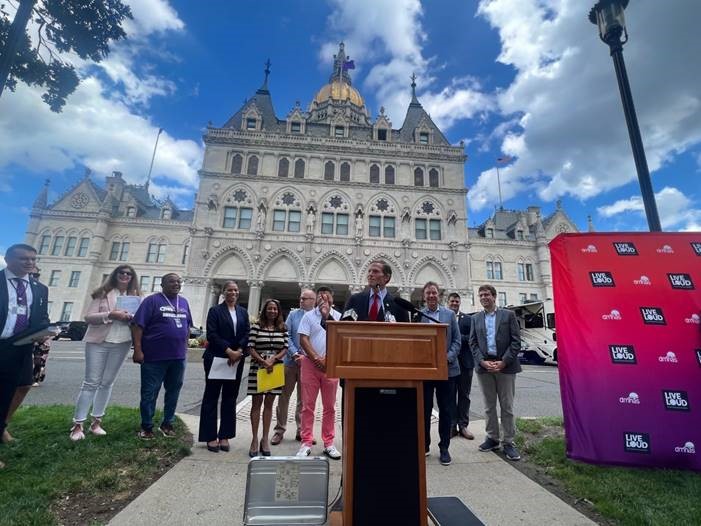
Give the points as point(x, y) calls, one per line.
point(83, 27)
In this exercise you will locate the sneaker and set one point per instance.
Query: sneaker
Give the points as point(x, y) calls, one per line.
point(332, 452)
point(445, 459)
point(77, 432)
point(96, 428)
point(511, 452)
point(143, 434)
point(167, 430)
point(489, 445)
point(304, 451)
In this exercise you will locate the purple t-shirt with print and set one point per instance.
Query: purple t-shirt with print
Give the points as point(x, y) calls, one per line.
point(165, 331)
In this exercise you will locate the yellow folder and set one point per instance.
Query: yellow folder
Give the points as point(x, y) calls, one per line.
point(268, 381)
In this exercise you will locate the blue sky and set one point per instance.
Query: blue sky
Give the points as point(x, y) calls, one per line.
point(524, 78)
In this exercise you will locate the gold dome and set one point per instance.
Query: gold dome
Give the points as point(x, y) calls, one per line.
point(340, 91)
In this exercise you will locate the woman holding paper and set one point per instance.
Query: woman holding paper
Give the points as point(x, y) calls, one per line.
point(107, 343)
point(267, 344)
point(227, 345)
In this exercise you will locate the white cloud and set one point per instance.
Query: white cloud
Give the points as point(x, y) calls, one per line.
point(675, 209)
point(572, 137)
point(103, 125)
point(100, 133)
point(390, 33)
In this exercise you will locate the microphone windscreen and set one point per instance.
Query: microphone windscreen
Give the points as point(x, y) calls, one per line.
point(350, 314)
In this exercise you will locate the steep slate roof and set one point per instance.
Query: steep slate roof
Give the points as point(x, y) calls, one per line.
point(504, 222)
point(414, 115)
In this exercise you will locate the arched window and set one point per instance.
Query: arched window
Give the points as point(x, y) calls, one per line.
point(236, 164)
point(374, 174)
point(252, 165)
point(299, 168)
point(283, 168)
point(389, 175)
point(418, 177)
point(345, 171)
point(433, 178)
point(329, 170)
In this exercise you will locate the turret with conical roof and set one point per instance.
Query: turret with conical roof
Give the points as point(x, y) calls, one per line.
point(43, 197)
point(418, 126)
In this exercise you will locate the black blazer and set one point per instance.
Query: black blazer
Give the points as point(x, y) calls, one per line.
point(465, 357)
point(38, 315)
point(361, 302)
point(220, 332)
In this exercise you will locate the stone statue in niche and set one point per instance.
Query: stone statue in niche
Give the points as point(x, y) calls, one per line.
point(311, 219)
point(260, 220)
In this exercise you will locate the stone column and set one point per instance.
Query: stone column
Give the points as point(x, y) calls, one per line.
point(254, 290)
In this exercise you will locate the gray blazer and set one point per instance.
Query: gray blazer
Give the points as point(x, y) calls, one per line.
point(452, 340)
point(508, 340)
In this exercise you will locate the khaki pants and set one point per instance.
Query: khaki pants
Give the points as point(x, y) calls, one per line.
point(502, 387)
point(283, 403)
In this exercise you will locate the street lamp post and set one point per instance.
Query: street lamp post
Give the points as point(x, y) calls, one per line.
point(608, 15)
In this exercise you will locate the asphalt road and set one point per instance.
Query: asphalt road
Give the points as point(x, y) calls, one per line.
point(537, 387)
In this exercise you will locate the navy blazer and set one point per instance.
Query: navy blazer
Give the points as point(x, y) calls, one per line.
point(38, 315)
point(466, 359)
point(361, 303)
point(221, 334)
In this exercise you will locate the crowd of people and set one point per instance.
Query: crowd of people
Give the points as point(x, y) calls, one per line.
point(158, 328)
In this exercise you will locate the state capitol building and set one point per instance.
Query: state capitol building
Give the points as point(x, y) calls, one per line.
point(303, 200)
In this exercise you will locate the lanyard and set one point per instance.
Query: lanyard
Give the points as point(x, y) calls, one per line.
point(12, 282)
point(176, 308)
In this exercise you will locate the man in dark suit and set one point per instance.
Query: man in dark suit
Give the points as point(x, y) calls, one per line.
point(495, 341)
point(467, 366)
point(375, 303)
point(23, 310)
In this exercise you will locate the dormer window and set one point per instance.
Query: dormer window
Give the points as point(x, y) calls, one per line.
point(339, 131)
point(131, 211)
point(423, 138)
point(519, 235)
point(489, 232)
point(296, 127)
point(382, 135)
point(166, 213)
point(250, 123)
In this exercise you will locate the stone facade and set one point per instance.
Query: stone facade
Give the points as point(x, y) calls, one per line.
point(307, 200)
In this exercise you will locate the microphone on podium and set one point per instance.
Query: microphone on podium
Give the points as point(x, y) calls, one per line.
point(349, 315)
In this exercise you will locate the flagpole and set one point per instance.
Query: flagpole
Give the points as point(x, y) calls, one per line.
point(153, 157)
point(501, 207)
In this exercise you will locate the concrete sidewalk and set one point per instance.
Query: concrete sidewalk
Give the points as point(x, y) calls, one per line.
point(209, 488)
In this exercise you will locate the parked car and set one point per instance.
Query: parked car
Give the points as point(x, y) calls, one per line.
point(73, 330)
point(538, 339)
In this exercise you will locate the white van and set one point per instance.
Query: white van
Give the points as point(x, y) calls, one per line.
point(537, 332)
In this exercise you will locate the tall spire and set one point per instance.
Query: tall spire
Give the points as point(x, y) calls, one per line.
point(414, 100)
point(42, 198)
point(264, 87)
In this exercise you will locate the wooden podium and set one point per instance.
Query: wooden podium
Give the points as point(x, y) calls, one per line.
point(384, 466)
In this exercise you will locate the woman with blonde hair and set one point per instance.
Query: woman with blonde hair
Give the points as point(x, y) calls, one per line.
point(107, 343)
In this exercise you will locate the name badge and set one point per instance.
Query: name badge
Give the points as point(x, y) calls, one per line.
point(178, 323)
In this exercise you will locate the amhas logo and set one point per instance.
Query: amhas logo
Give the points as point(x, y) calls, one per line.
point(625, 248)
point(681, 281)
point(614, 315)
point(665, 249)
point(590, 249)
point(637, 442)
point(688, 448)
point(622, 354)
point(670, 357)
point(676, 400)
point(602, 278)
point(632, 398)
point(644, 280)
point(652, 316)
point(696, 246)
point(694, 319)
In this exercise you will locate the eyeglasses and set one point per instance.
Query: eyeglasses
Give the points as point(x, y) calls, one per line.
point(124, 273)
point(303, 298)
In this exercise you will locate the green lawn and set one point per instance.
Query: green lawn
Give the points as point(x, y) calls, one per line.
point(48, 477)
point(629, 496)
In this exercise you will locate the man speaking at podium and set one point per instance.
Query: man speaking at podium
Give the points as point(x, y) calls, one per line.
point(375, 303)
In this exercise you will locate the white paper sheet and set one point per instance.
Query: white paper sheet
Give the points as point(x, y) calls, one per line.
point(221, 371)
point(128, 303)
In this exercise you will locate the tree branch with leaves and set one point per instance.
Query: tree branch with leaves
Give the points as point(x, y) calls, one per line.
point(84, 27)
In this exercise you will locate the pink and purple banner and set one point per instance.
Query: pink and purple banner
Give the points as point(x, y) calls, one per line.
point(628, 314)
